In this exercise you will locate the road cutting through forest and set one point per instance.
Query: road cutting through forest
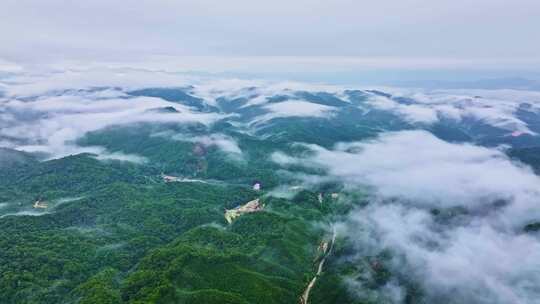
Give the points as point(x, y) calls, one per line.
point(304, 298)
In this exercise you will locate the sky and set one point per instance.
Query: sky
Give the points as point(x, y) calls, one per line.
point(276, 37)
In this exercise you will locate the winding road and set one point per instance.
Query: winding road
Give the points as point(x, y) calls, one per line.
point(304, 298)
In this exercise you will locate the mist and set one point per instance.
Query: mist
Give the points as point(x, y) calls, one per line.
point(451, 214)
point(52, 123)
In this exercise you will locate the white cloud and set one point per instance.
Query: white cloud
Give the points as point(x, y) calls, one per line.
point(473, 263)
point(481, 258)
point(9, 67)
point(223, 142)
point(294, 108)
point(418, 167)
point(24, 213)
point(254, 90)
point(52, 124)
point(412, 113)
point(495, 108)
point(283, 159)
point(122, 157)
point(42, 80)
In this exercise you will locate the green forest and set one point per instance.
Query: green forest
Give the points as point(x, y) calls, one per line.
point(83, 229)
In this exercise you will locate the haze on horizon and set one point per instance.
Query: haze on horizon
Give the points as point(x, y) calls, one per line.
point(276, 37)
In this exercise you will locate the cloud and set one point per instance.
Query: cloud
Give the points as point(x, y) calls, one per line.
point(413, 113)
point(410, 29)
point(52, 124)
point(424, 170)
point(9, 67)
point(495, 108)
point(24, 213)
point(41, 80)
point(480, 256)
point(223, 142)
point(472, 263)
point(283, 159)
point(256, 91)
point(48, 110)
point(294, 108)
point(122, 157)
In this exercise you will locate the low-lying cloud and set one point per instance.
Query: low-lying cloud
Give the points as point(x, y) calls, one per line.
point(52, 124)
point(497, 109)
point(223, 142)
point(294, 108)
point(478, 255)
point(475, 262)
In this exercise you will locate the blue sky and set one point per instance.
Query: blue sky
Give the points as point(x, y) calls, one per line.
point(295, 37)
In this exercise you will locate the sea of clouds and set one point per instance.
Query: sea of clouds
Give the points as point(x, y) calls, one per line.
point(494, 107)
point(480, 255)
point(48, 111)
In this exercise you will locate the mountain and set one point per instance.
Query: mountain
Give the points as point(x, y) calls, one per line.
point(122, 194)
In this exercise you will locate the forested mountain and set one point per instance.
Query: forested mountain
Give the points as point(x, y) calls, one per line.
point(205, 193)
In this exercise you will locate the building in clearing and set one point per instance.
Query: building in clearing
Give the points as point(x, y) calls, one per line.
point(41, 205)
point(257, 185)
point(249, 207)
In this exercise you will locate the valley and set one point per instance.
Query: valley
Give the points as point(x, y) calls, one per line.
point(258, 194)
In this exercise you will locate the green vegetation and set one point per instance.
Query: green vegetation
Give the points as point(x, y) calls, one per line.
point(115, 232)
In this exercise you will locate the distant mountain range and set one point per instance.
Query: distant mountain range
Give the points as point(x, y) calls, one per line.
point(142, 192)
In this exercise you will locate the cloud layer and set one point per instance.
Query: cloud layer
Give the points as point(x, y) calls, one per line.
point(494, 108)
point(47, 111)
point(478, 255)
point(51, 123)
point(294, 108)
